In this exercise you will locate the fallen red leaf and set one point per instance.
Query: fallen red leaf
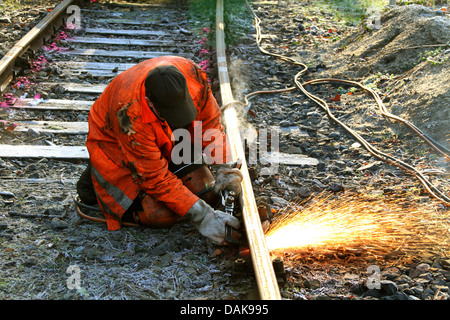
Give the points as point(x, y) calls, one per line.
point(10, 126)
point(336, 98)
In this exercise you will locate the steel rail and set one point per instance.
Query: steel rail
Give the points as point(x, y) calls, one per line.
point(262, 262)
point(37, 32)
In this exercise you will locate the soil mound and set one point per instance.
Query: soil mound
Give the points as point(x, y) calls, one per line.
point(412, 48)
point(405, 33)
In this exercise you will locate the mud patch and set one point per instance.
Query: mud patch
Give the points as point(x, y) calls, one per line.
point(124, 120)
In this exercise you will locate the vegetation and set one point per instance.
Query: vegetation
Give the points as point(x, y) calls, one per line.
point(352, 11)
point(203, 13)
point(434, 56)
point(430, 3)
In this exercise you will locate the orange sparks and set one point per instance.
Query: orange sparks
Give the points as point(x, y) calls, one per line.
point(359, 220)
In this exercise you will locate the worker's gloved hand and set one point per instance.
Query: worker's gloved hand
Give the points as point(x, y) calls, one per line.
point(209, 222)
point(227, 178)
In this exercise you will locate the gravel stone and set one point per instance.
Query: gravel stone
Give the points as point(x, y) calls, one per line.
point(389, 287)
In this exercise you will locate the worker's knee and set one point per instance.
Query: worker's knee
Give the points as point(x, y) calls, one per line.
point(149, 211)
point(154, 213)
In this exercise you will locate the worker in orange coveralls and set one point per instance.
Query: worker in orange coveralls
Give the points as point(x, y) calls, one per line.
point(130, 142)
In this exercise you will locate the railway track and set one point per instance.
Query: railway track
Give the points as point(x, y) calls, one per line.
point(50, 120)
point(81, 75)
point(43, 154)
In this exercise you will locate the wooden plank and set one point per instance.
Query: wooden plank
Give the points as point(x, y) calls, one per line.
point(124, 42)
point(119, 53)
point(42, 180)
point(84, 88)
point(53, 127)
point(288, 159)
point(140, 21)
point(93, 73)
point(137, 22)
point(126, 32)
point(107, 66)
point(53, 104)
point(96, 69)
point(54, 152)
point(78, 87)
point(262, 262)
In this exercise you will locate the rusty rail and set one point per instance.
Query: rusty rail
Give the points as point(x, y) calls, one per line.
point(53, 19)
point(262, 263)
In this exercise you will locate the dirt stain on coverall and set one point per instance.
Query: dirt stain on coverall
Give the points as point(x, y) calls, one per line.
point(124, 120)
point(137, 177)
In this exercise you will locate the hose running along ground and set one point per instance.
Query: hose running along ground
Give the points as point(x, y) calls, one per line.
point(429, 187)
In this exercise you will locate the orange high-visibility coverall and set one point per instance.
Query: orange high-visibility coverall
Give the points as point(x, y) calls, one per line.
point(130, 148)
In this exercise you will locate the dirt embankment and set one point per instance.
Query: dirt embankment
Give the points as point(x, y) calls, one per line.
point(412, 49)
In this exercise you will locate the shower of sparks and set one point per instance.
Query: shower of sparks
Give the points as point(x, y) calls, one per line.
point(353, 221)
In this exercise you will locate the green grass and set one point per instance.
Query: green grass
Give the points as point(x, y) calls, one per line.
point(352, 11)
point(202, 13)
point(434, 57)
point(430, 3)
